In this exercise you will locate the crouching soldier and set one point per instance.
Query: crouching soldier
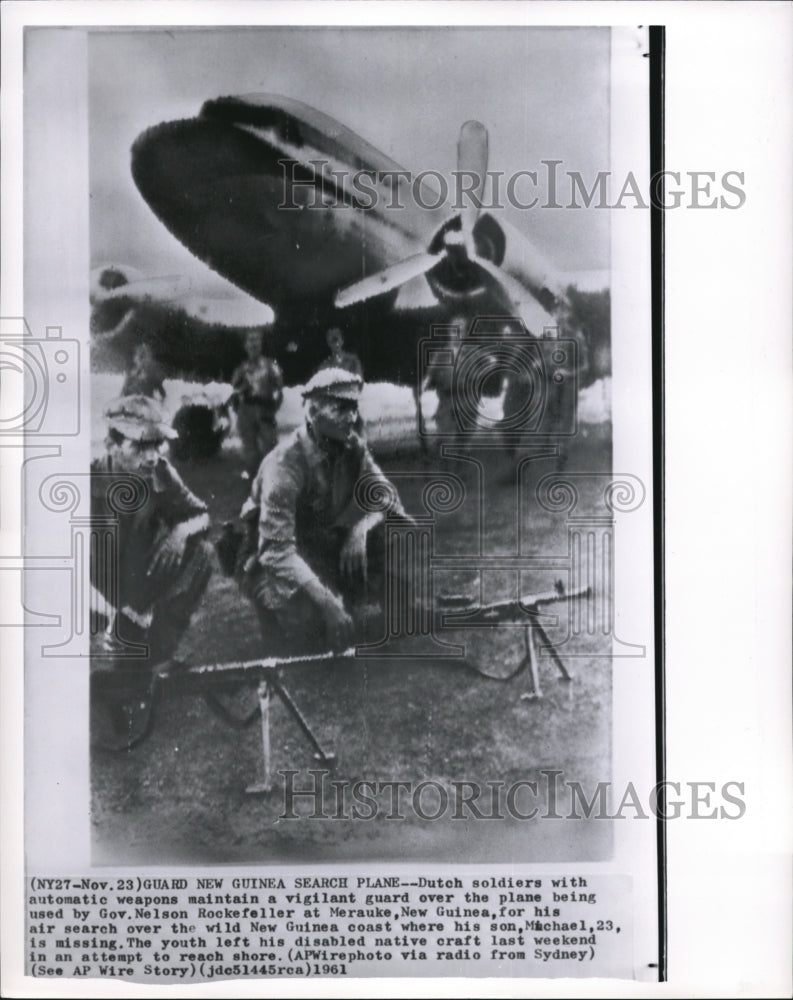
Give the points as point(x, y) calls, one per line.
point(318, 559)
point(163, 561)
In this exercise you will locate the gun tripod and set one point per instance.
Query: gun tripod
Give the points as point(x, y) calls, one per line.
point(270, 686)
point(531, 659)
point(212, 678)
point(523, 614)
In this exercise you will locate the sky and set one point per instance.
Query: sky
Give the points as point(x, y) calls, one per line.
point(543, 93)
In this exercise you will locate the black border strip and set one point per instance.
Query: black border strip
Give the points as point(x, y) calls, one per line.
point(657, 41)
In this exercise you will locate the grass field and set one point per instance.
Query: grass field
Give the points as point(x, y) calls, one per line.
point(180, 795)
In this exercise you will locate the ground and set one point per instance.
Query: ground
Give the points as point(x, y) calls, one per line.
point(180, 795)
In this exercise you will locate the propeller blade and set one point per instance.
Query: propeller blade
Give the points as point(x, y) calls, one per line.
point(386, 280)
point(521, 299)
point(529, 263)
point(472, 154)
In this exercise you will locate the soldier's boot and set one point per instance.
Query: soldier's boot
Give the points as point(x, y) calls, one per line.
point(122, 685)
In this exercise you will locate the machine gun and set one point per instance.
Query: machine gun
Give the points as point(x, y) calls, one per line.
point(137, 705)
point(522, 612)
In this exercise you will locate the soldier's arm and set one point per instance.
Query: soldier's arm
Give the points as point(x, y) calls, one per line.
point(159, 387)
point(353, 516)
point(283, 570)
point(182, 509)
point(279, 483)
point(278, 384)
point(100, 477)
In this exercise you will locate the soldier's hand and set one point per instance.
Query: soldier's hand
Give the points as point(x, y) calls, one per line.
point(260, 584)
point(352, 561)
point(338, 624)
point(169, 553)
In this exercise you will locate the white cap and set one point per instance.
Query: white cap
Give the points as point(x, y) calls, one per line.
point(335, 382)
point(139, 418)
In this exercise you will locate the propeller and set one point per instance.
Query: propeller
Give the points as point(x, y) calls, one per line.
point(472, 159)
point(456, 245)
point(387, 279)
point(528, 308)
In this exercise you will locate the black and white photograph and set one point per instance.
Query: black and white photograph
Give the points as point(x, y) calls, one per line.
point(343, 500)
point(367, 410)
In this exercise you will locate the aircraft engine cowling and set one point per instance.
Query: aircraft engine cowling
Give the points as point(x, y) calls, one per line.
point(456, 277)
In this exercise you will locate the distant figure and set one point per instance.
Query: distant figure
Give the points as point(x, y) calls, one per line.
point(339, 358)
point(520, 386)
point(258, 393)
point(543, 393)
point(344, 361)
point(440, 378)
point(145, 378)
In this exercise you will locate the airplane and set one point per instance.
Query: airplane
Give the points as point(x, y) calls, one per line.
point(383, 275)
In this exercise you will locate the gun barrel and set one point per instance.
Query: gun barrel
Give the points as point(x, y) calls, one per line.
point(527, 602)
point(241, 670)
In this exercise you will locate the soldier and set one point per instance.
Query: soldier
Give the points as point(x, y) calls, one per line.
point(164, 561)
point(145, 378)
point(543, 388)
point(318, 557)
point(258, 393)
point(339, 358)
point(440, 378)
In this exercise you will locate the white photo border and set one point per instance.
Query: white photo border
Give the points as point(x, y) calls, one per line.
point(727, 669)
